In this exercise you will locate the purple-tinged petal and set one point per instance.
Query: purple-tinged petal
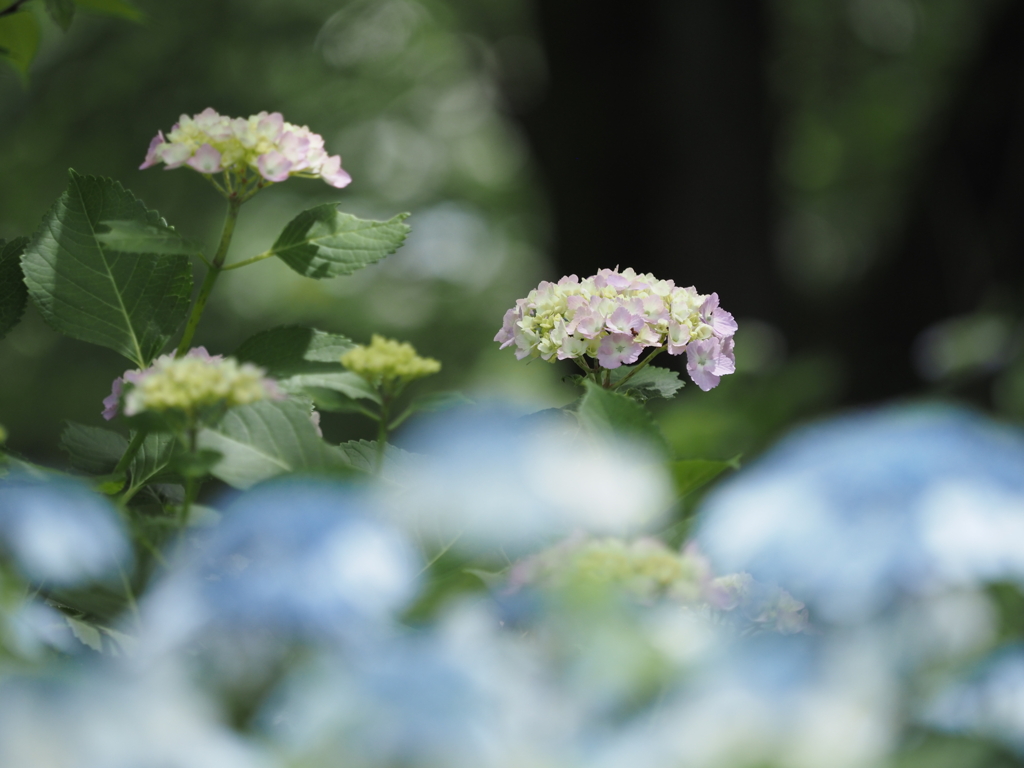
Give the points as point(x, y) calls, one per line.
point(173, 155)
point(618, 349)
point(678, 338)
point(334, 174)
point(270, 126)
point(206, 160)
point(112, 402)
point(152, 157)
point(507, 334)
point(722, 323)
point(273, 166)
point(702, 361)
point(624, 321)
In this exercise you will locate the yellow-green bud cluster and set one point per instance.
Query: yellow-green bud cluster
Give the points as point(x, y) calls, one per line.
point(191, 384)
point(385, 361)
point(645, 567)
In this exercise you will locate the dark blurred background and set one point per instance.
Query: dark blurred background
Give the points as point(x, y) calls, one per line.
point(847, 175)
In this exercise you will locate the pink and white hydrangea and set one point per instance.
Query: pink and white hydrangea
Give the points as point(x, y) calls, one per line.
point(275, 149)
point(613, 316)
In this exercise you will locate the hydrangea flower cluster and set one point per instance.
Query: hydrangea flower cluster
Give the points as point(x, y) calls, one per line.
point(644, 567)
point(649, 570)
point(613, 316)
point(211, 143)
point(190, 383)
point(385, 362)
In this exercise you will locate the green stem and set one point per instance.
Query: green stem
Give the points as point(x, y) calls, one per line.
point(382, 434)
point(636, 370)
point(130, 596)
point(216, 267)
point(582, 365)
point(133, 448)
point(247, 262)
point(191, 485)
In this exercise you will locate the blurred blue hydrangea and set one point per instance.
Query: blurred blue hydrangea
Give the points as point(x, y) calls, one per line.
point(851, 513)
point(59, 531)
point(96, 717)
point(988, 702)
point(490, 478)
point(289, 558)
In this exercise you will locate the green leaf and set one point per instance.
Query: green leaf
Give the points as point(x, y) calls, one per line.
point(92, 449)
point(333, 401)
point(132, 303)
point(101, 639)
point(19, 40)
point(692, 474)
point(109, 484)
point(292, 349)
point(13, 292)
point(62, 12)
point(86, 633)
point(137, 236)
point(648, 383)
point(604, 412)
point(490, 579)
point(155, 455)
point(118, 8)
point(198, 464)
point(361, 455)
point(323, 242)
point(304, 360)
point(266, 439)
point(434, 402)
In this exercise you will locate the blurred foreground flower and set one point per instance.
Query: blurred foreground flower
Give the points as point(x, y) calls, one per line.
point(190, 384)
point(290, 559)
point(60, 531)
point(491, 479)
point(614, 316)
point(853, 513)
point(100, 718)
point(264, 143)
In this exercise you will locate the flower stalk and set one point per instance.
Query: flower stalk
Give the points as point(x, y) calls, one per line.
point(216, 267)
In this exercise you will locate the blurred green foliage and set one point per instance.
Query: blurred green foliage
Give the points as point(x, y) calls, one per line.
point(406, 91)
point(418, 97)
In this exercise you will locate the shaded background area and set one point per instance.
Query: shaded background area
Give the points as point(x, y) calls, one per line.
point(847, 176)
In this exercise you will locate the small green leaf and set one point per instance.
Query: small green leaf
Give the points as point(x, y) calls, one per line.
point(136, 236)
point(62, 12)
point(334, 401)
point(19, 40)
point(13, 292)
point(266, 439)
point(647, 383)
point(86, 633)
point(132, 303)
point(323, 242)
point(602, 411)
point(692, 474)
point(304, 360)
point(118, 8)
point(92, 449)
point(110, 484)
